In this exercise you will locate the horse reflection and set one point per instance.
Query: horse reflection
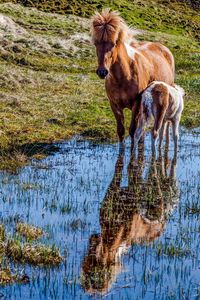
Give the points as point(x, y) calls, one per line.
point(129, 215)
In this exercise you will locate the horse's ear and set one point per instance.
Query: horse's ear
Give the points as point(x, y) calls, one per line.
point(93, 22)
point(121, 36)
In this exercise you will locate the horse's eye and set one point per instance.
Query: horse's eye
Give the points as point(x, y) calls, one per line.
point(112, 45)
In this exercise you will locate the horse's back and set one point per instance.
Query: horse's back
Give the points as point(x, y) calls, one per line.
point(161, 59)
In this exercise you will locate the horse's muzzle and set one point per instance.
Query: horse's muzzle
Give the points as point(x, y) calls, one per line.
point(102, 73)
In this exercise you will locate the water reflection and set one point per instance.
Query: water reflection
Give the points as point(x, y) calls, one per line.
point(135, 214)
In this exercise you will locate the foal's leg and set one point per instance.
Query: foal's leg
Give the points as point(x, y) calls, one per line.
point(155, 131)
point(119, 116)
point(175, 126)
point(159, 114)
point(162, 133)
point(153, 142)
point(167, 133)
point(137, 136)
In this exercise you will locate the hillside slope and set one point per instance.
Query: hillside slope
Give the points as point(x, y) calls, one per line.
point(166, 15)
point(48, 87)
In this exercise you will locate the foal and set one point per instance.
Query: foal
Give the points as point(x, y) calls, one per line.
point(165, 104)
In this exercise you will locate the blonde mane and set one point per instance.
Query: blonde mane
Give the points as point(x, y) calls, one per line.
point(108, 26)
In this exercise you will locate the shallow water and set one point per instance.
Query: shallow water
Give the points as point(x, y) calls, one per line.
point(129, 229)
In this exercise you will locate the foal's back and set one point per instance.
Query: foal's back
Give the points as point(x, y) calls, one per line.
point(164, 103)
point(162, 95)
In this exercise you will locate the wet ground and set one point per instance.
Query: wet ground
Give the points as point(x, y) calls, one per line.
point(127, 227)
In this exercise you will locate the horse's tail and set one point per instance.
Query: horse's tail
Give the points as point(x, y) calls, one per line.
point(147, 101)
point(180, 90)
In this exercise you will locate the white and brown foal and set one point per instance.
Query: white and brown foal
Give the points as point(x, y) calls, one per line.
point(162, 103)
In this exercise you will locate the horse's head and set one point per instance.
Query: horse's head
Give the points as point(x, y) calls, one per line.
point(107, 30)
point(104, 52)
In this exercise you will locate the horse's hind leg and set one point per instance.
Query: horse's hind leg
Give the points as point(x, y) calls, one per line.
point(168, 133)
point(119, 116)
point(162, 133)
point(159, 113)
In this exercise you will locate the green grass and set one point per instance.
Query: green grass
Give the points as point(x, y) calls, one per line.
point(13, 249)
point(35, 254)
point(173, 250)
point(48, 87)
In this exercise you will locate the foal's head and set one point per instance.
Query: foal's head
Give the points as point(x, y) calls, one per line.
point(108, 30)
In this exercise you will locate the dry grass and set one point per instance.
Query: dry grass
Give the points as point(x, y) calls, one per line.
point(28, 231)
point(7, 277)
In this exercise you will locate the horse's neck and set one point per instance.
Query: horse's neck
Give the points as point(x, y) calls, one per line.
point(123, 67)
point(130, 67)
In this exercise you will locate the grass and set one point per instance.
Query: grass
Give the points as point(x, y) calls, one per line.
point(2, 233)
point(7, 277)
point(171, 250)
point(48, 87)
point(28, 231)
point(193, 209)
point(36, 254)
point(32, 253)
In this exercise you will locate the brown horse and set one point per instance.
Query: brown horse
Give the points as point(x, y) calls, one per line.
point(128, 66)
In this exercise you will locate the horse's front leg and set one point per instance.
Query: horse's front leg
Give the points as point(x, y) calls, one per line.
point(133, 125)
point(119, 116)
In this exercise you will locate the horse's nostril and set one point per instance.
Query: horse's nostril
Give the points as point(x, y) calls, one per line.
point(105, 72)
point(102, 73)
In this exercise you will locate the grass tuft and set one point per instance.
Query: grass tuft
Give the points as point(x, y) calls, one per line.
point(28, 231)
point(34, 254)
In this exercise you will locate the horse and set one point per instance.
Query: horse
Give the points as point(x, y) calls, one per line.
point(164, 104)
point(128, 66)
point(129, 215)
